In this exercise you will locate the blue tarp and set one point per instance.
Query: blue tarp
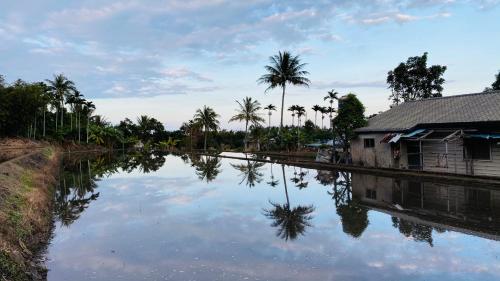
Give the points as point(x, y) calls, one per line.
point(484, 136)
point(416, 132)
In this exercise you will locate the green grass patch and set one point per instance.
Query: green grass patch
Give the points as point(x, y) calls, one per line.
point(47, 152)
point(10, 270)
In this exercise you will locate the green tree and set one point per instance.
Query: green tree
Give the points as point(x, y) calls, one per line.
point(351, 115)
point(206, 118)
point(284, 69)
point(413, 80)
point(496, 85)
point(248, 112)
point(62, 88)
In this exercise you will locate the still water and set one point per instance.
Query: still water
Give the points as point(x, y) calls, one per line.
point(166, 217)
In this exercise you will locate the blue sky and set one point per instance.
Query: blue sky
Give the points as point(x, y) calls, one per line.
point(168, 58)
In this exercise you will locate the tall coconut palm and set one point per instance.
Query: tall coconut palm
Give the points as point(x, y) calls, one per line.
point(331, 97)
point(292, 109)
point(89, 108)
point(284, 69)
point(269, 109)
point(207, 118)
point(323, 111)
point(61, 87)
point(316, 108)
point(301, 111)
point(248, 112)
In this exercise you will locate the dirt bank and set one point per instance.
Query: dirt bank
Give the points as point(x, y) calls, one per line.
point(26, 197)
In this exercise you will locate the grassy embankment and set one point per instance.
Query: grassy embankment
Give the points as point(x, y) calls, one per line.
point(26, 198)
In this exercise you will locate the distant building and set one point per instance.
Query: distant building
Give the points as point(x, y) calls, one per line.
point(455, 134)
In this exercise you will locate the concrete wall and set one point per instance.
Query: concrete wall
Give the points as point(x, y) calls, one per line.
point(379, 156)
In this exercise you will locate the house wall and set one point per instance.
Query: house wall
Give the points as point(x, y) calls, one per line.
point(379, 156)
point(434, 159)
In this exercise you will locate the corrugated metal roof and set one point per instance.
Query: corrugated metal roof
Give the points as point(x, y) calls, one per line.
point(471, 108)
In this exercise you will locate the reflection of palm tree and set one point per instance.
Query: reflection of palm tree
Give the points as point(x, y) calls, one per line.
point(251, 172)
point(207, 168)
point(291, 222)
point(272, 182)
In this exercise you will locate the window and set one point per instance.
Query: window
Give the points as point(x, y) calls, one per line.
point(369, 143)
point(477, 149)
point(371, 194)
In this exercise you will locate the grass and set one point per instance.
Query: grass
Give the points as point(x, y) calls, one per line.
point(10, 270)
point(25, 210)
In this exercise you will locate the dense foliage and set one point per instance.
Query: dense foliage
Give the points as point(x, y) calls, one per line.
point(413, 80)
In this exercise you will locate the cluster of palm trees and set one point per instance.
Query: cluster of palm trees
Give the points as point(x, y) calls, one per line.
point(60, 95)
point(64, 93)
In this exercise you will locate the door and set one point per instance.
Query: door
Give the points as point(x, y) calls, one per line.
point(414, 155)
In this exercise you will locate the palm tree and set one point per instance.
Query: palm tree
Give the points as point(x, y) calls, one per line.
point(331, 97)
point(207, 118)
point(89, 108)
point(301, 111)
point(270, 108)
point(323, 111)
point(248, 113)
point(61, 87)
point(290, 222)
point(292, 109)
point(316, 108)
point(284, 69)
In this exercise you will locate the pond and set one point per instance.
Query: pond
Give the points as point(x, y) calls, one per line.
point(167, 217)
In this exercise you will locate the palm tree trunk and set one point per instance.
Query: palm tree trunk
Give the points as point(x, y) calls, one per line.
point(284, 182)
point(246, 135)
point(34, 130)
point(57, 114)
point(88, 120)
point(44, 122)
point(282, 106)
point(206, 135)
point(315, 117)
point(62, 115)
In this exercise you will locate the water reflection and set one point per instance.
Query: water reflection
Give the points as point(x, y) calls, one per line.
point(250, 172)
point(290, 222)
point(207, 167)
point(144, 215)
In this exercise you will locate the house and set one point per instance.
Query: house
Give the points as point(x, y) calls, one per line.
point(455, 134)
point(469, 209)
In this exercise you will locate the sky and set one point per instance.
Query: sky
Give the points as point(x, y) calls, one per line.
point(167, 58)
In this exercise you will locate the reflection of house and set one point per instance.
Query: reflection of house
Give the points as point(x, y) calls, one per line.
point(473, 210)
point(456, 134)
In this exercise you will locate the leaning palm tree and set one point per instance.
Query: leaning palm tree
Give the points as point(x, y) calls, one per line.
point(284, 69)
point(316, 108)
point(248, 112)
point(61, 87)
point(206, 118)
